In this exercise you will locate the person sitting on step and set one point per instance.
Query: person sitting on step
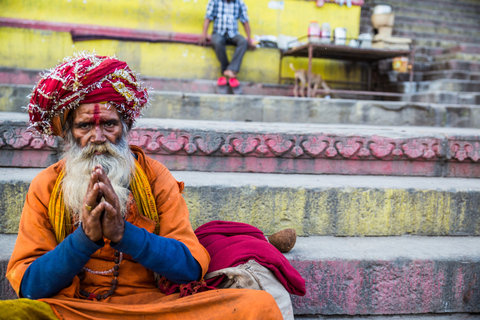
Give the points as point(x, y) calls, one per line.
point(224, 14)
point(104, 227)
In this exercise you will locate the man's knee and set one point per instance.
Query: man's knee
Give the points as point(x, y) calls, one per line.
point(242, 43)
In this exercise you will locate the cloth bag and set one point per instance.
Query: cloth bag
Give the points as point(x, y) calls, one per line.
point(252, 275)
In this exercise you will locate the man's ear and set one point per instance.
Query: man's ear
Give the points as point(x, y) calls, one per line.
point(129, 123)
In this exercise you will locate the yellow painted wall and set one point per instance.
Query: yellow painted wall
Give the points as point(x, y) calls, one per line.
point(39, 49)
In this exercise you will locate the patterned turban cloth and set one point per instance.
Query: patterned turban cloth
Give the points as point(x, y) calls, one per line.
point(85, 78)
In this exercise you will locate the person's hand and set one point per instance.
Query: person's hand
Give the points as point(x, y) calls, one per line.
point(204, 39)
point(251, 45)
point(91, 214)
point(112, 222)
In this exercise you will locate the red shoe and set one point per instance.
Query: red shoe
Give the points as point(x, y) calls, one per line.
point(233, 82)
point(222, 81)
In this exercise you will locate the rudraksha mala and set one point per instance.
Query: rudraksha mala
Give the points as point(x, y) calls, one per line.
point(114, 270)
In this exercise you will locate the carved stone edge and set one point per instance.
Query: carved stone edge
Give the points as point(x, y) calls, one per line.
point(265, 145)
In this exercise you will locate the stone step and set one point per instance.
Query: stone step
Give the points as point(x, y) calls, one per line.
point(429, 64)
point(7, 242)
point(418, 76)
point(379, 276)
point(419, 15)
point(446, 97)
point(13, 95)
point(443, 85)
point(436, 37)
point(314, 205)
point(384, 276)
point(16, 85)
point(431, 51)
point(453, 85)
point(458, 56)
point(450, 74)
point(438, 7)
point(438, 25)
point(467, 48)
point(180, 105)
point(459, 65)
point(424, 63)
point(432, 41)
point(440, 30)
point(450, 316)
point(234, 146)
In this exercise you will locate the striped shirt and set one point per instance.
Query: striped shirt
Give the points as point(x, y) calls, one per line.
point(225, 14)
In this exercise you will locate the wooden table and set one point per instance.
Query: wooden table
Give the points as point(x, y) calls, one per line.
point(338, 52)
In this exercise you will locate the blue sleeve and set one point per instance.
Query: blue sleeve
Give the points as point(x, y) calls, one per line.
point(211, 10)
point(167, 257)
point(56, 269)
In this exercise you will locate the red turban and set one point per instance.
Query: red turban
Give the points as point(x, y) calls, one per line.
point(85, 78)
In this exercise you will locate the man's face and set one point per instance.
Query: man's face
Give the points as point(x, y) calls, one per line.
point(95, 123)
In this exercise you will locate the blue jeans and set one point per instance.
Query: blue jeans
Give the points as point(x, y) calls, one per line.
point(219, 44)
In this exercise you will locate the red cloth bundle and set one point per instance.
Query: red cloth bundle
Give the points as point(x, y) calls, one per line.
point(233, 243)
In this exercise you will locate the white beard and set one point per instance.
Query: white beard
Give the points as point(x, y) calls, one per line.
point(117, 161)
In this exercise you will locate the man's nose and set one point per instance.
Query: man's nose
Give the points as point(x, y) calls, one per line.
point(98, 135)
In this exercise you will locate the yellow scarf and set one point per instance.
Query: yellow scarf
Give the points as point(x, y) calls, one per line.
point(60, 217)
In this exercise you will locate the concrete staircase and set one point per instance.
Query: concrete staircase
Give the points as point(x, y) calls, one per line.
point(447, 55)
point(391, 230)
point(383, 194)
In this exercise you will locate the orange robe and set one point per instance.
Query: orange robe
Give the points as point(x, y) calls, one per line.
point(136, 294)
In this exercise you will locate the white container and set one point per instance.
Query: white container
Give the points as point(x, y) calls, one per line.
point(286, 42)
point(326, 33)
point(365, 40)
point(382, 9)
point(340, 35)
point(353, 43)
point(314, 32)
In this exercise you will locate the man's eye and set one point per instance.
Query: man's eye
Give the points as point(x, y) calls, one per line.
point(109, 124)
point(84, 126)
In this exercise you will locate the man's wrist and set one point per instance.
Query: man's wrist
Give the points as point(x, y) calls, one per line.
point(84, 243)
point(120, 234)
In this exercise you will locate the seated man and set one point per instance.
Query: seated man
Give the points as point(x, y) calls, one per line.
point(224, 14)
point(102, 227)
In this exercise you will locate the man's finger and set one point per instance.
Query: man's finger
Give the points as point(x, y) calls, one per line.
point(91, 197)
point(92, 181)
point(97, 211)
point(110, 211)
point(91, 223)
point(110, 195)
point(113, 225)
point(108, 192)
point(102, 177)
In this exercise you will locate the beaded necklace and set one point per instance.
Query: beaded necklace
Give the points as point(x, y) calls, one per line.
point(114, 270)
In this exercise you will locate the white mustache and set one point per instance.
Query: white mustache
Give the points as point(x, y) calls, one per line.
point(105, 148)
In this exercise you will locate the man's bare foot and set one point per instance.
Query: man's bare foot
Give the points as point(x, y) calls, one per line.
point(229, 74)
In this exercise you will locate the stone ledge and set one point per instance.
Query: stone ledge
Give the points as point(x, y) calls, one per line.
point(312, 204)
point(452, 316)
point(394, 275)
point(175, 100)
point(274, 147)
point(381, 276)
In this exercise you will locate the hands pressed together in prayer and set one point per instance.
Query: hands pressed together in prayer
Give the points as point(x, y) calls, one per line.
point(102, 218)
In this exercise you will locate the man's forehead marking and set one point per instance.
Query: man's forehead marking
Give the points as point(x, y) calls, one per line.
point(96, 114)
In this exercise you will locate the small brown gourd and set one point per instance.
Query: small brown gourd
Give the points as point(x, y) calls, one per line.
point(284, 240)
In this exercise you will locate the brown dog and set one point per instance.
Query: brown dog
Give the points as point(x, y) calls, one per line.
point(301, 75)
